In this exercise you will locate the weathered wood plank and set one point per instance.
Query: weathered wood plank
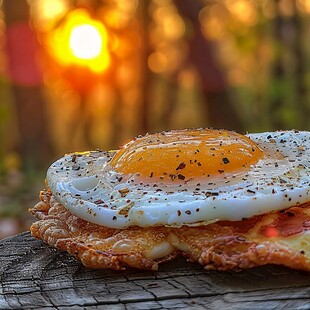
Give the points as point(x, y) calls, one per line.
point(35, 276)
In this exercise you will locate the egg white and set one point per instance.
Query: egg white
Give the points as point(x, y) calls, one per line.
point(86, 185)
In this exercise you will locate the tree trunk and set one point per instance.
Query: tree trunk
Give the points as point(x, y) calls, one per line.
point(35, 276)
point(221, 113)
point(302, 100)
point(26, 80)
point(146, 74)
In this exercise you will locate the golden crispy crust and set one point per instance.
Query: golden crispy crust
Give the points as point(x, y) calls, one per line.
point(96, 246)
point(224, 249)
point(275, 238)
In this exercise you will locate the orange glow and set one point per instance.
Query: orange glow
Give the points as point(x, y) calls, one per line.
point(187, 154)
point(304, 5)
point(81, 41)
point(213, 28)
point(271, 232)
point(171, 24)
point(48, 12)
point(213, 19)
point(51, 9)
point(157, 62)
point(243, 10)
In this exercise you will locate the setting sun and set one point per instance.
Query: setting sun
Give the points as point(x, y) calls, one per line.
point(81, 40)
point(85, 41)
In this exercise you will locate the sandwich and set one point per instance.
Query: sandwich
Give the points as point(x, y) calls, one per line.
point(218, 198)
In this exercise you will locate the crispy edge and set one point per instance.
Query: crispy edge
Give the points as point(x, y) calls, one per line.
point(223, 248)
point(215, 247)
point(53, 230)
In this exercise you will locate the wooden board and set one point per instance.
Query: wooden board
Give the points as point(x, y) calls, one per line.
point(35, 276)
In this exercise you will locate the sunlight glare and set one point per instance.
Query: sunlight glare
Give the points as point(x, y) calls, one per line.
point(85, 41)
point(82, 41)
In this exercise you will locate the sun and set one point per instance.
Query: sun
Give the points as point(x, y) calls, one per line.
point(81, 41)
point(85, 41)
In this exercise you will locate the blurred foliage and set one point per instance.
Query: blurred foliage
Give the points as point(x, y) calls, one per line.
point(150, 84)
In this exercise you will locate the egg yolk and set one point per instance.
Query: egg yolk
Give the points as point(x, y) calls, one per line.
point(186, 154)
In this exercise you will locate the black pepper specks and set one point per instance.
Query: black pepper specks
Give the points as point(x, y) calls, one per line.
point(181, 177)
point(225, 160)
point(283, 175)
point(181, 166)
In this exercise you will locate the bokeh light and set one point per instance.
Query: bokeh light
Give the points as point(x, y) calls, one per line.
point(304, 6)
point(47, 13)
point(243, 10)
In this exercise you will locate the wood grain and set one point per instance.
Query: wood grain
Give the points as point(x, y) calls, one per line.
point(35, 276)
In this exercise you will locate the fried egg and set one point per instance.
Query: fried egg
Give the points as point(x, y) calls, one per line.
point(185, 177)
